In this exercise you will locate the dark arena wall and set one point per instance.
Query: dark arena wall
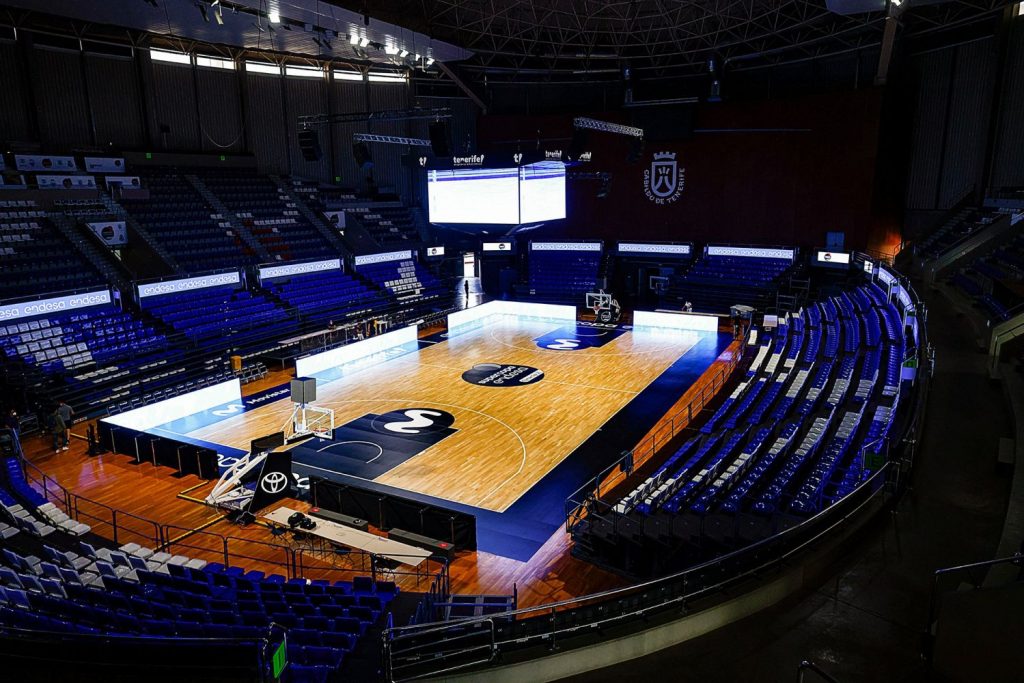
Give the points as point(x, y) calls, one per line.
point(783, 171)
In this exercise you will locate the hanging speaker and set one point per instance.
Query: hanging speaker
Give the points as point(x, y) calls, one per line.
point(361, 153)
point(309, 143)
point(578, 144)
point(439, 139)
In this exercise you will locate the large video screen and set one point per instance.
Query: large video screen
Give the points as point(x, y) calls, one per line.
point(542, 192)
point(508, 196)
point(478, 195)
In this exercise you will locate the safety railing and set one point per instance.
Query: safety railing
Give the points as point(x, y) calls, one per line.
point(406, 648)
point(292, 561)
point(581, 500)
point(975, 575)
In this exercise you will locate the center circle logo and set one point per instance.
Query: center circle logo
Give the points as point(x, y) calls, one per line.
point(274, 482)
point(500, 375)
point(413, 421)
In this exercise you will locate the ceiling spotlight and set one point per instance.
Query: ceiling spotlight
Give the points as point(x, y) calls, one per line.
point(390, 50)
point(274, 16)
point(353, 39)
point(218, 15)
point(403, 54)
point(214, 3)
point(416, 57)
point(363, 42)
point(430, 61)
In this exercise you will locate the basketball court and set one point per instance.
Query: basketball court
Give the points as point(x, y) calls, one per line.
point(490, 418)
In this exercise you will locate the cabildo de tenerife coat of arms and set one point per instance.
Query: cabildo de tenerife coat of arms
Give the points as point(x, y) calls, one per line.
point(664, 180)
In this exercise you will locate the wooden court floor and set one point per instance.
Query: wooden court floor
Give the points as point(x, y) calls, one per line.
point(508, 438)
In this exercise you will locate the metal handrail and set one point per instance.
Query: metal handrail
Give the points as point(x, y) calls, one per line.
point(688, 577)
point(653, 583)
point(806, 666)
point(934, 598)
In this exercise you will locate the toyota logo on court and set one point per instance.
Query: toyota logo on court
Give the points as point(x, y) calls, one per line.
point(274, 482)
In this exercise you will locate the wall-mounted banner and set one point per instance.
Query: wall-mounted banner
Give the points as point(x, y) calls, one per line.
point(654, 248)
point(188, 284)
point(497, 246)
point(59, 304)
point(272, 272)
point(125, 181)
point(751, 252)
point(565, 246)
point(113, 233)
point(66, 182)
point(104, 164)
point(336, 219)
point(40, 162)
point(383, 258)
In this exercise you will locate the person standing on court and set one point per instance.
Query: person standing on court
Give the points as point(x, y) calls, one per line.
point(60, 431)
point(466, 284)
point(66, 413)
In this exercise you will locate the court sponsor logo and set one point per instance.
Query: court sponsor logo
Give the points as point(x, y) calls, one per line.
point(274, 482)
point(414, 421)
point(664, 180)
point(581, 336)
point(500, 375)
point(230, 409)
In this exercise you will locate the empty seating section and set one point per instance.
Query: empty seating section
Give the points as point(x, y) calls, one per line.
point(221, 317)
point(186, 226)
point(993, 281)
point(135, 591)
point(35, 257)
point(97, 336)
point(329, 295)
point(713, 283)
point(820, 393)
point(268, 213)
point(962, 226)
point(390, 224)
point(407, 281)
point(563, 276)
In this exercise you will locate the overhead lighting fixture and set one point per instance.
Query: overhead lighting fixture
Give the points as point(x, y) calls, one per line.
point(416, 57)
point(214, 3)
point(274, 16)
point(363, 42)
point(353, 39)
point(218, 14)
point(403, 54)
point(391, 50)
point(430, 61)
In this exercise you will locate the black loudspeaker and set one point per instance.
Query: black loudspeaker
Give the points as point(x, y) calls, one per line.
point(578, 144)
point(636, 150)
point(309, 143)
point(361, 153)
point(439, 139)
